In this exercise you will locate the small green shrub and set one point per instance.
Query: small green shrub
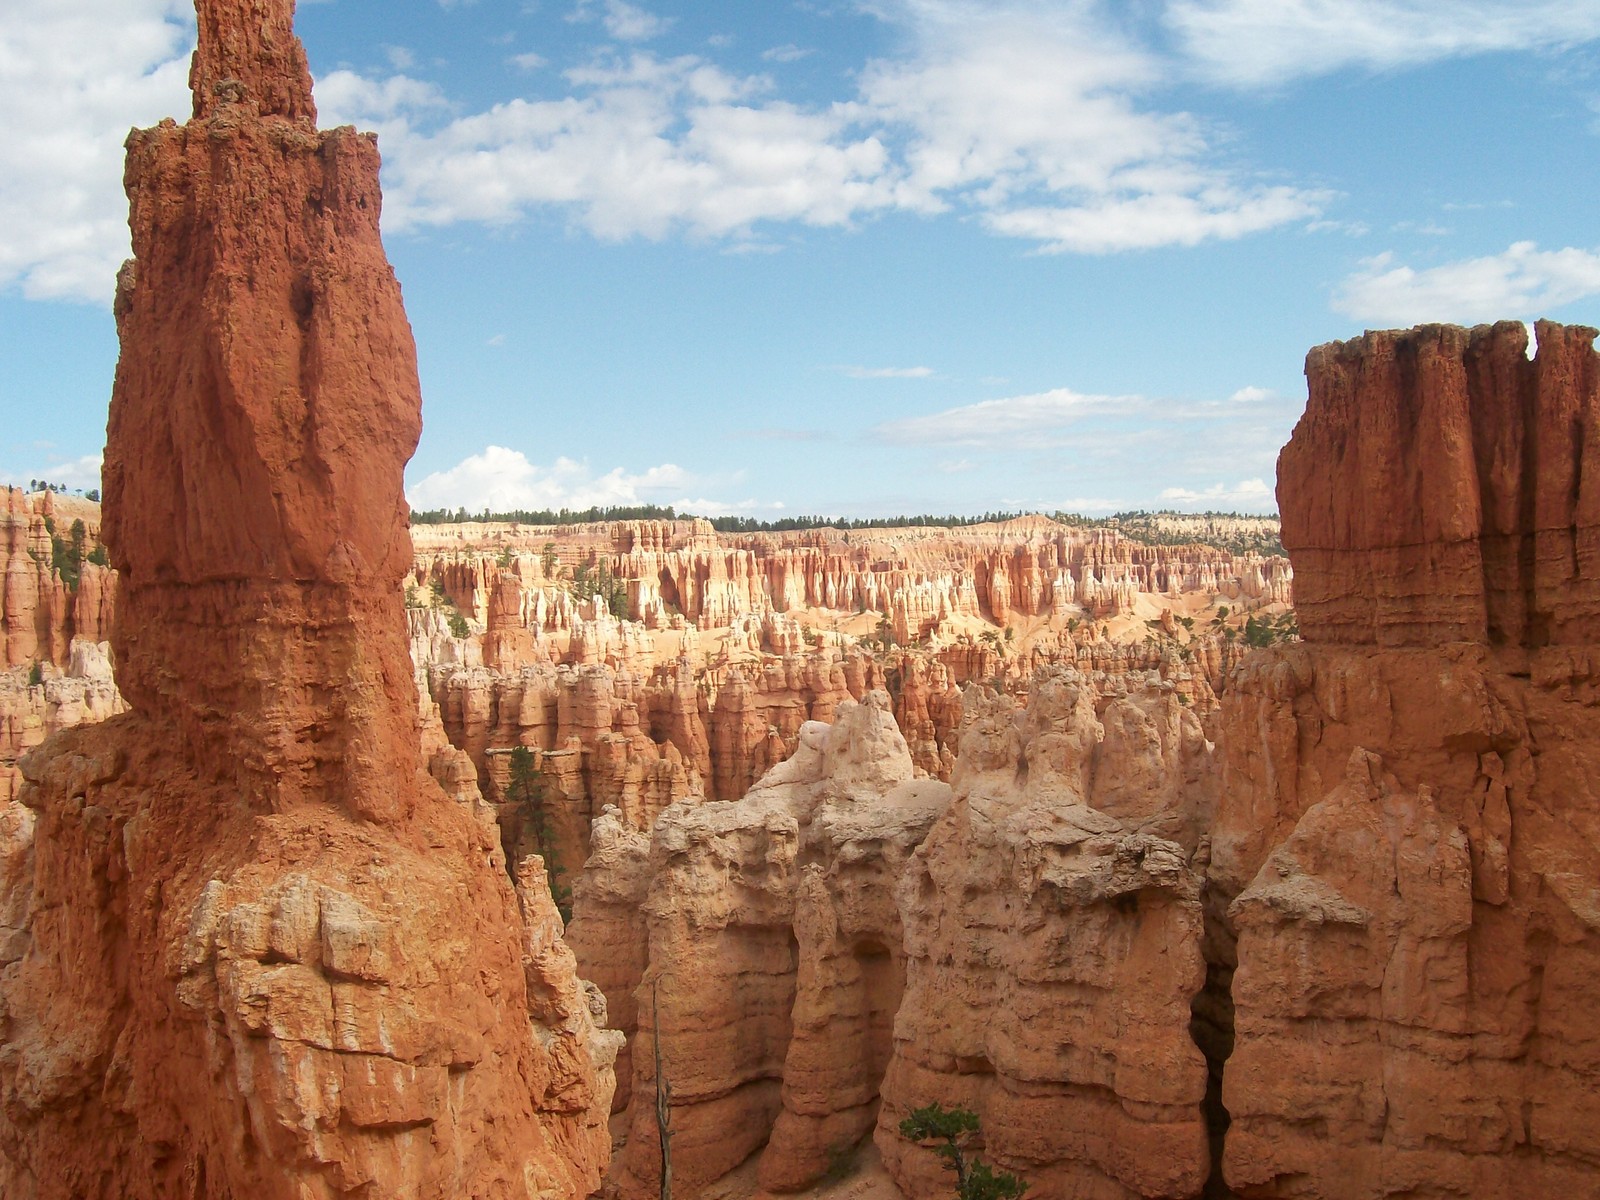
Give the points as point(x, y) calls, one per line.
point(955, 1128)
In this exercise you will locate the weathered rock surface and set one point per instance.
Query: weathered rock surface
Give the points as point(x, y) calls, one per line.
point(844, 938)
point(1348, 949)
point(83, 693)
point(1407, 842)
point(772, 965)
point(1454, 489)
point(248, 946)
point(41, 614)
point(1053, 945)
point(919, 577)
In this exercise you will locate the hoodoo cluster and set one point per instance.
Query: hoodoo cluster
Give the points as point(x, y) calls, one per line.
point(1317, 921)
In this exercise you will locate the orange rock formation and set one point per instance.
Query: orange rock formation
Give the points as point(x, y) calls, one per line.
point(247, 946)
point(1409, 835)
point(1347, 947)
point(1030, 567)
point(40, 614)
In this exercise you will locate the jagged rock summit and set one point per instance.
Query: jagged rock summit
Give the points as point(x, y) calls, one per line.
point(1444, 486)
point(249, 947)
point(265, 404)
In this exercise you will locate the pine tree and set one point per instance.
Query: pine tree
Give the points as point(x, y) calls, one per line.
point(955, 1128)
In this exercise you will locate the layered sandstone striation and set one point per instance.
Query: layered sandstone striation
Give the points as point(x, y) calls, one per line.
point(921, 577)
point(1457, 493)
point(1052, 923)
point(849, 941)
point(602, 735)
point(1407, 843)
point(41, 613)
point(82, 693)
point(771, 959)
point(248, 945)
point(1335, 933)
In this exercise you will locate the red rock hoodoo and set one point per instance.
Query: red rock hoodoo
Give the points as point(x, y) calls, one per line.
point(1408, 827)
point(265, 404)
point(1443, 487)
point(248, 947)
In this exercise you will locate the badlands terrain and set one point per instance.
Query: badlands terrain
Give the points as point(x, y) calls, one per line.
point(1192, 870)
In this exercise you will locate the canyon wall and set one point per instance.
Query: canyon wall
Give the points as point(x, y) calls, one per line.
point(1408, 838)
point(41, 613)
point(1333, 934)
point(848, 941)
point(1026, 568)
point(248, 946)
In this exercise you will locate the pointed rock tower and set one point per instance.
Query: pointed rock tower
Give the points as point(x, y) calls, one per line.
point(248, 947)
point(265, 405)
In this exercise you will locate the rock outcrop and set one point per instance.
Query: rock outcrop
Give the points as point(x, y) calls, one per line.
point(1457, 489)
point(919, 577)
point(42, 613)
point(248, 946)
point(1052, 925)
point(1336, 935)
point(1407, 845)
point(771, 960)
point(845, 943)
point(82, 693)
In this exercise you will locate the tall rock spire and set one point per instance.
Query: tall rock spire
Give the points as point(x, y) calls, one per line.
point(1443, 487)
point(261, 952)
point(265, 405)
point(249, 55)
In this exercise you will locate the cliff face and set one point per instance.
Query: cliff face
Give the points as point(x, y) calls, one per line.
point(1408, 838)
point(767, 966)
point(1456, 491)
point(1026, 568)
point(248, 947)
point(42, 614)
point(846, 942)
point(293, 355)
point(1346, 947)
point(1052, 934)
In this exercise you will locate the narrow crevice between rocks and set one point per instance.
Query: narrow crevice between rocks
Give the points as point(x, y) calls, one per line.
point(1211, 1027)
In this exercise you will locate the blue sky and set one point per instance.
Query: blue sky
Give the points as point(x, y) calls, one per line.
point(857, 257)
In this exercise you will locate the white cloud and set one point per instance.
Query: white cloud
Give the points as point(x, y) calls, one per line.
point(75, 75)
point(623, 21)
point(1521, 282)
point(785, 54)
point(1015, 420)
point(1029, 122)
point(501, 479)
point(1030, 117)
point(1253, 495)
point(400, 58)
point(1255, 43)
point(646, 146)
point(346, 98)
point(1150, 220)
point(81, 474)
point(886, 372)
point(529, 61)
point(1108, 451)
